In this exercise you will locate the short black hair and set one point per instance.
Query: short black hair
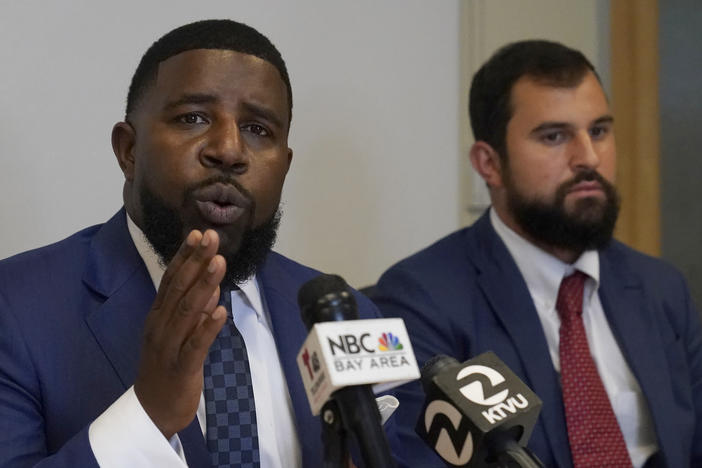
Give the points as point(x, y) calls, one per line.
point(206, 34)
point(546, 62)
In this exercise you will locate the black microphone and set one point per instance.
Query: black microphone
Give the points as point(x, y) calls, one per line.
point(478, 414)
point(327, 298)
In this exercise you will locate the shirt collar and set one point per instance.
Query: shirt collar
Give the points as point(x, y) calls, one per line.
point(542, 271)
point(156, 268)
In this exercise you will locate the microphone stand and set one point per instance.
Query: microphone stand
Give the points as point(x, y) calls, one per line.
point(510, 454)
point(352, 410)
point(336, 452)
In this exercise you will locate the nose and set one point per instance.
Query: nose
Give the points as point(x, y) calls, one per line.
point(225, 148)
point(584, 153)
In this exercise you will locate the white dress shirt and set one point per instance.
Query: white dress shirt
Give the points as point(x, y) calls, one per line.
point(543, 273)
point(125, 436)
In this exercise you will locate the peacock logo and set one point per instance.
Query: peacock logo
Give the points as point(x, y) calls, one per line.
point(389, 342)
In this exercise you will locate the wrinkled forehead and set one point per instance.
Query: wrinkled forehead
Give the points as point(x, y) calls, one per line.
point(217, 75)
point(217, 68)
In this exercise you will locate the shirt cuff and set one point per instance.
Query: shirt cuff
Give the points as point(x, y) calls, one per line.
point(124, 435)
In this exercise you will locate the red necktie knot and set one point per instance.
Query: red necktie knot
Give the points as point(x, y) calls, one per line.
point(570, 296)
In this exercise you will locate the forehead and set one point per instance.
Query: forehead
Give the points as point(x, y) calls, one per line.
point(538, 101)
point(224, 74)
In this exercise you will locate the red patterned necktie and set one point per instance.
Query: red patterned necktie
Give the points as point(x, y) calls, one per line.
point(593, 431)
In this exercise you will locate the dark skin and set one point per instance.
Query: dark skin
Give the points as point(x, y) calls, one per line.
point(210, 113)
point(182, 325)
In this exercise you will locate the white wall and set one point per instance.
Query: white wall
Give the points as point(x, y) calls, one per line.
point(379, 129)
point(375, 128)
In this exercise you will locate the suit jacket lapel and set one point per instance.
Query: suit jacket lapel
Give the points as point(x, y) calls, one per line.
point(635, 329)
point(279, 291)
point(117, 274)
point(509, 298)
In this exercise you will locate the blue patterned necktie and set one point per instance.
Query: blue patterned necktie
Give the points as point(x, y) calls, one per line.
point(232, 437)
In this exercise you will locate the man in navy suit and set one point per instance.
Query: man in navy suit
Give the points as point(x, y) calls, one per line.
point(545, 149)
point(104, 335)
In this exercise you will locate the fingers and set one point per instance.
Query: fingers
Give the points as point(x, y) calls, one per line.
point(187, 270)
point(186, 248)
point(186, 290)
point(198, 298)
point(179, 330)
point(195, 349)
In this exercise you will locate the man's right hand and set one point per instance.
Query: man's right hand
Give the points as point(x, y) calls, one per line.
point(179, 330)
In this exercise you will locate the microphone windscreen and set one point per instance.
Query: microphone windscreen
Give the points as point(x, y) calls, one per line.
point(434, 366)
point(326, 298)
point(319, 287)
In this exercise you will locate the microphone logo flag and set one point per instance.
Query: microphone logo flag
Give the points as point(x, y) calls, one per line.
point(485, 379)
point(454, 442)
point(355, 352)
point(486, 388)
point(469, 404)
point(389, 342)
point(311, 363)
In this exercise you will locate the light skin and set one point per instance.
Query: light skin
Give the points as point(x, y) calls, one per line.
point(554, 133)
point(209, 113)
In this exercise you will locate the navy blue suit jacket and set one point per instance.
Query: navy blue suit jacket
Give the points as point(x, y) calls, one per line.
point(71, 317)
point(465, 295)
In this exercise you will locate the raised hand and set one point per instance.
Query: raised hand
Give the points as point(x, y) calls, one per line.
point(179, 330)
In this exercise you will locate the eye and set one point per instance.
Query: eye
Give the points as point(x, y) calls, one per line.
point(191, 118)
point(256, 129)
point(598, 132)
point(553, 137)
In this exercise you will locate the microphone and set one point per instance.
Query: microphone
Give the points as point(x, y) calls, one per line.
point(478, 414)
point(342, 356)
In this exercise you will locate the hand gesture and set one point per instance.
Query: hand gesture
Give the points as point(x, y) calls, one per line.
point(179, 330)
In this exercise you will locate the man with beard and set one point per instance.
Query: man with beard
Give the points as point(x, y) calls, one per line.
point(107, 337)
point(607, 337)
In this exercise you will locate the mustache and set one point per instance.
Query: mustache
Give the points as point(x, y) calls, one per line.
point(586, 175)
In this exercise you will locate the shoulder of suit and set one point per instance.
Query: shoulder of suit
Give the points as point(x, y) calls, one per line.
point(286, 276)
point(65, 251)
point(438, 256)
point(652, 271)
point(282, 265)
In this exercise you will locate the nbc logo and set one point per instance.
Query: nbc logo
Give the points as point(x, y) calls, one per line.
point(389, 342)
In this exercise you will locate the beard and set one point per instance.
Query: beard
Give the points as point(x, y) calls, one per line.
point(589, 224)
point(165, 230)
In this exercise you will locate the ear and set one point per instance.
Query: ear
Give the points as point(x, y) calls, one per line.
point(486, 162)
point(123, 141)
point(290, 156)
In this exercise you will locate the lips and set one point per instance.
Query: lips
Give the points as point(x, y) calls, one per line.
point(585, 188)
point(221, 204)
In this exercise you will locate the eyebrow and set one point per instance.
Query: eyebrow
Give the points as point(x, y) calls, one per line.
point(202, 98)
point(195, 98)
point(263, 112)
point(605, 119)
